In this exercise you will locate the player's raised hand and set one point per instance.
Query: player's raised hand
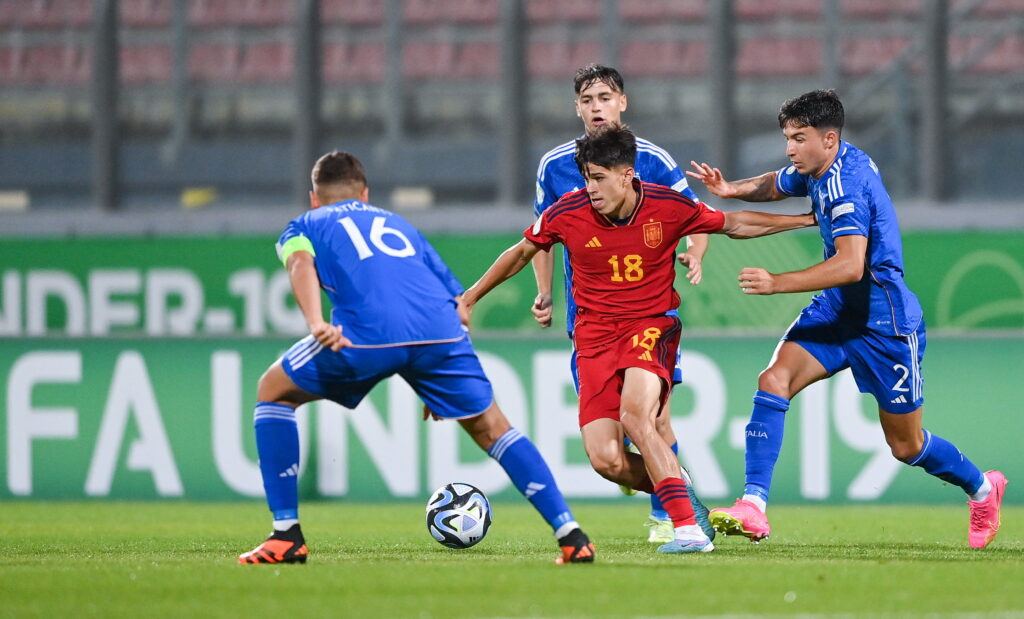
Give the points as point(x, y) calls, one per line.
point(712, 179)
point(695, 271)
point(542, 310)
point(329, 335)
point(756, 281)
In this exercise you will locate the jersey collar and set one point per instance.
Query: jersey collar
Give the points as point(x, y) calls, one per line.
point(345, 202)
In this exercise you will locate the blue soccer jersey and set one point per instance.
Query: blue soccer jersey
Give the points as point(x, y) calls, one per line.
point(386, 283)
point(558, 175)
point(848, 199)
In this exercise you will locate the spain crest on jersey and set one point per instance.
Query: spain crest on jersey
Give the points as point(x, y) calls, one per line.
point(652, 234)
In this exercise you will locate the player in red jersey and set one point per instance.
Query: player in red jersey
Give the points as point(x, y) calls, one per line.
point(621, 236)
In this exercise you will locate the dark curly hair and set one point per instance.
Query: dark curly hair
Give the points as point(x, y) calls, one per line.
point(820, 109)
point(593, 73)
point(609, 146)
point(339, 168)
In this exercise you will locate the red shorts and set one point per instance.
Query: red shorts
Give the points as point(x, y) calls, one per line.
point(606, 346)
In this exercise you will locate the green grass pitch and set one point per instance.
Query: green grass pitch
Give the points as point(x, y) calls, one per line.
point(178, 559)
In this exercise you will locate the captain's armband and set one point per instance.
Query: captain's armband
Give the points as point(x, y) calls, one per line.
point(292, 245)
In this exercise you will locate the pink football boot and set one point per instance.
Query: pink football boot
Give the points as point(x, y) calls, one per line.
point(985, 514)
point(744, 518)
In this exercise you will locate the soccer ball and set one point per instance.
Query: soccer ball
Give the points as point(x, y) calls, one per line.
point(458, 515)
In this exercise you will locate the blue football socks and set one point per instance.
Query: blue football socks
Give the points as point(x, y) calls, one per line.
point(532, 477)
point(657, 509)
point(942, 459)
point(764, 442)
point(277, 442)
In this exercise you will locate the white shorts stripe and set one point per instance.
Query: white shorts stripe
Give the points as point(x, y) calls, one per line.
point(299, 353)
point(915, 367)
point(301, 347)
point(303, 359)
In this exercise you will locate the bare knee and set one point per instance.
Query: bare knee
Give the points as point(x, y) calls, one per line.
point(608, 466)
point(776, 381)
point(607, 458)
point(905, 449)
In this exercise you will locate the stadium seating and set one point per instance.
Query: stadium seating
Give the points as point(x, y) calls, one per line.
point(451, 11)
point(45, 14)
point(214, 13)
point(555, 59)
point(145, 13)
point(58, 52)
point(778, 57)
point(352, 12)
point(658, 11)
point(540, 12)
point(347, 63)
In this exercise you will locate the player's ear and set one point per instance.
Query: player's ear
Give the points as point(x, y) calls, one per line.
point(831, 138)
point(625, 103)
point(628, 175)
point(314, 202)
point(364, 195)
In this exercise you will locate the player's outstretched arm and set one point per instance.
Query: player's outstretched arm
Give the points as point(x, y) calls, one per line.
point(752, 224)
point(306, 288)
point(845, 267)
point(543, 268)
point(510, 262)
point(757, 189)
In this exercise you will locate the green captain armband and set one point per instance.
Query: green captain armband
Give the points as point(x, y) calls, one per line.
point(292, 245)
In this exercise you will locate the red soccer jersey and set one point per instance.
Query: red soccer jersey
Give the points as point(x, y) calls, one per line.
point(624, 269)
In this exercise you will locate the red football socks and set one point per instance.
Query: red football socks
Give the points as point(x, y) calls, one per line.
point(676, 500)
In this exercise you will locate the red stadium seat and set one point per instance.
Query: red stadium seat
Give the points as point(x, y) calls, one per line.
point(214, 62)
point(8, 15)
point(654, 11)
point(459, 11)
point(861, 56)
point(541, 11)
point(355, 12)
point(345, 63)
point(560, 59)
point(759, 57)
point(207, 12)
point(667, 58)
point(880, 9)
point(145, 64)
point(773, 9)
point(145, 13)
point(232, 63)
point(51, 65)
point(1000, 8)
point(1007, 57)
point(215, 13)
point(267, 63)
point(51, 14)
point(445, 60)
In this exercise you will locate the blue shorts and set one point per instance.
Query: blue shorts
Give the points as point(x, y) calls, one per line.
point(886, 366)
point(677, 374)
point(447, 377)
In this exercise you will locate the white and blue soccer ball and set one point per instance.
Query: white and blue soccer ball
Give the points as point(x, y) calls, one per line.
point(458, 515)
